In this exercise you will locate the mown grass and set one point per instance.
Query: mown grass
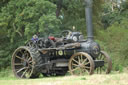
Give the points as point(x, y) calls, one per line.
point(115, 78)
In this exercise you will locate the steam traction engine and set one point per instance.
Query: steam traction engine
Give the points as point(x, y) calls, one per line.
point(59, 55)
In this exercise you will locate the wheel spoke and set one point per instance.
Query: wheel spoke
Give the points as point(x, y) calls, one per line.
point(86, 71)
point(79, 59)
point(86, 67)
point(102, 57)
point(87, 63)
point(28, 74)
point(29, 58)
point(21, 51)
point(29, 71)
point(30, 65)
point(20, 58)
point(84, 61)
point(18, 64)
point(83, 70)
point(75, 65)
point(30, 62)
point(75, 69)
point(75, 61)
point(24, 73)
point(21, 69)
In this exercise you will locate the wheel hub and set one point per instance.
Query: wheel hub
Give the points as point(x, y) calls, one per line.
point(81, 66)
point(25, 63)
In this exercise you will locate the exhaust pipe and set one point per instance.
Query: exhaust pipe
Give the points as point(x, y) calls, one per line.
point(89, 25)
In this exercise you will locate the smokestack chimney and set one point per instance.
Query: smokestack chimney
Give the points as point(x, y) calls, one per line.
point(89, 25)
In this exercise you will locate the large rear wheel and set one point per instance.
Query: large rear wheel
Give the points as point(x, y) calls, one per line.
point(25, 62)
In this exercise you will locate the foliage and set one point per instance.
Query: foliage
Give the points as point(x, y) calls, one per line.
point(115, 40)
point(109, 17)
point(27, 17)
point(20, 19)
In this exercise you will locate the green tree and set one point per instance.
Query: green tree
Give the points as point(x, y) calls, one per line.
point(115, 14)
point(26, 17)
point(20, 19)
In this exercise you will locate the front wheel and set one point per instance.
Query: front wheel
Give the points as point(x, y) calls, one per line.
point(81, 63)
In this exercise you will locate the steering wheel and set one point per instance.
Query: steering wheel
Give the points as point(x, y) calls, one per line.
point(65, 33)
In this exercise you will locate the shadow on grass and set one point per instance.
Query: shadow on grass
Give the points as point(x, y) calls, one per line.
point(7, 74)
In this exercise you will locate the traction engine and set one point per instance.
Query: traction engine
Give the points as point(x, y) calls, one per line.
point(59, 55)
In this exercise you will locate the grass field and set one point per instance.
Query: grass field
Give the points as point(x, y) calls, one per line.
point(114, 78)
